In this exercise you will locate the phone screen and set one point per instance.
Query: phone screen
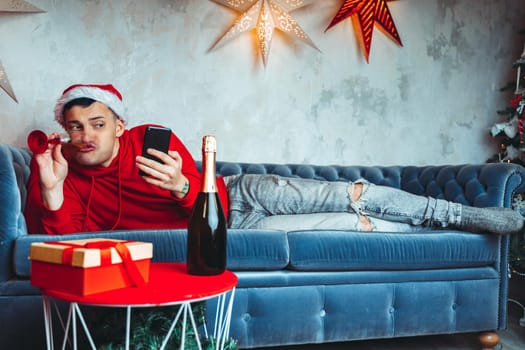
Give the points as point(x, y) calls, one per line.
point(157, 138)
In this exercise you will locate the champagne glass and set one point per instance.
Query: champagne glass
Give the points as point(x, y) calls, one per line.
point(37, 141)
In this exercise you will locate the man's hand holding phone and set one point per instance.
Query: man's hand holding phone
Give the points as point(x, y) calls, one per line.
point(161, 167)
point(156, 138)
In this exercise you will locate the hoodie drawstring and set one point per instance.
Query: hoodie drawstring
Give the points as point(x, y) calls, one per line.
point(119, 212)
point(119, 181)
point(84, 228)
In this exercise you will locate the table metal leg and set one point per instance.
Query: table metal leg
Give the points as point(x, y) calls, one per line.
point(48, 322)
point(128, 326)
point(84, 325)
point(74, 325)
point(172, 327)
point(194, 326)
point(184, 318)
point(184, 310)
point(221, 329)
point(227, 322)
point(66, 328)
point(74, 311)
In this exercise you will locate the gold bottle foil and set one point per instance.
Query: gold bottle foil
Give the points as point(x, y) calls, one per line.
point(209, 150)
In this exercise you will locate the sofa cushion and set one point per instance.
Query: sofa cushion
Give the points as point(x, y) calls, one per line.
point(168, 245)
point(343, 250)
point(257, 250)
point(254, 250)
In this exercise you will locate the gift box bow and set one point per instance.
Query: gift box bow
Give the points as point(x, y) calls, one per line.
point(104, 246)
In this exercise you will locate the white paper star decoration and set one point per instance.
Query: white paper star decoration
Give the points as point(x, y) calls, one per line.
point(10, 7)
point(17, 6)
point(4, 83)
point(264, 16)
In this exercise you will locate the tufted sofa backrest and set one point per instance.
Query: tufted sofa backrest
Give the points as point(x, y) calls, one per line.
point(480, 184)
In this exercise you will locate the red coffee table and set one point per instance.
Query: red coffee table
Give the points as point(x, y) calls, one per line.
point(169, 285)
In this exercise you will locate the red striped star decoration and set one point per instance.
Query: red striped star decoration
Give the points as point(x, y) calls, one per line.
point(369, 12)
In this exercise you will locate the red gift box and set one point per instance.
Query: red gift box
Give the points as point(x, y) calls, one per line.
point(90, 266)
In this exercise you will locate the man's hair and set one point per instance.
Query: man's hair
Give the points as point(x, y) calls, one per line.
point(83, 102)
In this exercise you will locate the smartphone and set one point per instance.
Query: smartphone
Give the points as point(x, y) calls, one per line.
point(157, 138)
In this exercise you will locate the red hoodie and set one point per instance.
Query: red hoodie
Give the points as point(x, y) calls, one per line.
point(115, 197)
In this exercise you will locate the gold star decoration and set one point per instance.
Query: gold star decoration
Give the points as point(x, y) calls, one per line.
point(264, 16)
point(368, 13)
point(9, 7)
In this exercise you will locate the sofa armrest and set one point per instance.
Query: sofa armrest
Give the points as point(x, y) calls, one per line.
point(480, 185)
point(14, 173)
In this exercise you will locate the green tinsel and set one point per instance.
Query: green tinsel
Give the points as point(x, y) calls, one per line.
point(149, 326)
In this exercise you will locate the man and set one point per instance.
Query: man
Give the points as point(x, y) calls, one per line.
point(94, 184)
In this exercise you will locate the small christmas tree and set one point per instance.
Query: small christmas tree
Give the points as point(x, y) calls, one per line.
point(148, 326)
point(509, 134)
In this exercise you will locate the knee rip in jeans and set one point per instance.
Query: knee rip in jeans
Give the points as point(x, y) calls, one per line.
point(355, 190)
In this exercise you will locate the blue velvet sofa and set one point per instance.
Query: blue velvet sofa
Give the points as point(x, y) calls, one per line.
point(313, 286)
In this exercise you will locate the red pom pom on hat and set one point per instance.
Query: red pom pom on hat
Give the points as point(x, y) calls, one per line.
point(104, 93)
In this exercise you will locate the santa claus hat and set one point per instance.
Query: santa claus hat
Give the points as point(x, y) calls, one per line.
point(106, 94)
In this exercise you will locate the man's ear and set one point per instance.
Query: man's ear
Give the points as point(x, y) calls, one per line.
point(120, 127)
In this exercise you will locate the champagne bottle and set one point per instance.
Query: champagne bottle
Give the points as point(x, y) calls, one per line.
point(206, 253)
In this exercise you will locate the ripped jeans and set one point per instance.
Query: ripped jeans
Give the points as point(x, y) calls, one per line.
point(255, 197)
